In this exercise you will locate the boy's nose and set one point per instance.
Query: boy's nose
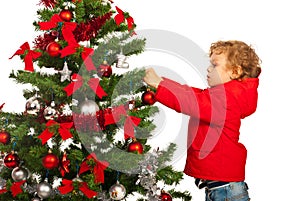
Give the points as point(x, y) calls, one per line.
point(209, 69)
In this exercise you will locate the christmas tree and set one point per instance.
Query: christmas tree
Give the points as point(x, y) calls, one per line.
point(65, 144)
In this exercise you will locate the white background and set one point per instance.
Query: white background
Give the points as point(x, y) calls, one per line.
point(270, 135)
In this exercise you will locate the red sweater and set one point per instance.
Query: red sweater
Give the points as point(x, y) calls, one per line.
point(214, 151)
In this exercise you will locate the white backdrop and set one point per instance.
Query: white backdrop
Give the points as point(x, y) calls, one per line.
point(270, 135)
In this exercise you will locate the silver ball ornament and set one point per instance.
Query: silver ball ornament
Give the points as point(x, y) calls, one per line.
point(88, 107)
point(35, 199)
point(117, 191)
point(20, 174)
point(49, 113)
point(33, 106)
point(44, 190)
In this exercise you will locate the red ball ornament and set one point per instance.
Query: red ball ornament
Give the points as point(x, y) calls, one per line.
point(148, 97)
point(66, 15)
point(164, 196)
point(53, 49)
point(50, 161)
point(104, 70)
point(4, 137)
point(11, 160)
point(135, 147)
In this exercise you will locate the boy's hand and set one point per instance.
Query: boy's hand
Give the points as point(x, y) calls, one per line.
point(151, 78)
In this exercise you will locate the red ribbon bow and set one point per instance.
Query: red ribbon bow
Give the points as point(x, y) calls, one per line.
point(129, 124)
point(67, 187)
point(119, 18)
point(63, 130)
point(30, 55)
point(115, 115)
point(77, 83)
point(16, 188)
point(98, 169)
point(67, 32)
point(86, 56)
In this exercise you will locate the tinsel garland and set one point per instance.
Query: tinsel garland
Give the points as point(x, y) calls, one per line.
point(48, 3)
point(85, 123)
point(90, 29)
point(147, 175)
point(42, 41)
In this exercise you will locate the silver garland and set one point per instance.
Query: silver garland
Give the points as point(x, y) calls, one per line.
point(2, 184)
point(147, 175)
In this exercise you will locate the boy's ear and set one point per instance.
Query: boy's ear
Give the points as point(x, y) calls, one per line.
point(237, 71)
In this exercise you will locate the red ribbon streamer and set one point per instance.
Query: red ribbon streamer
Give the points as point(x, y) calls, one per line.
point(16, 188)
point(98, 169)
point(130, 123)
point(30, 55)
point(86, 191)
point(67, 32)
point(63, 130)
point(77, 83)
point(52, 23)
point(67, 187)
point(86, 56)
point(94, 85)
point(119, 18)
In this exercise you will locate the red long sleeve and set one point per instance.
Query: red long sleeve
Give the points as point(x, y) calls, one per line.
point(208, 105)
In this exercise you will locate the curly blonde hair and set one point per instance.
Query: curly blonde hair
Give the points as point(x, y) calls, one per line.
point(239, 54)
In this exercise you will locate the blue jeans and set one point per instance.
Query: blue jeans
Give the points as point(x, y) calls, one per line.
point(235, 191)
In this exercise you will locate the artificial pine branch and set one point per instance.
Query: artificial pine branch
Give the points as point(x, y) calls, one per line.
point(185, 196)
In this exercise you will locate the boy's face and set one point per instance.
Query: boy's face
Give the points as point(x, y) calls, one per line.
point(217, 72)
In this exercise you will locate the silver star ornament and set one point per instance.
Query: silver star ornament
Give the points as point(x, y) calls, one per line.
point(65, 73)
